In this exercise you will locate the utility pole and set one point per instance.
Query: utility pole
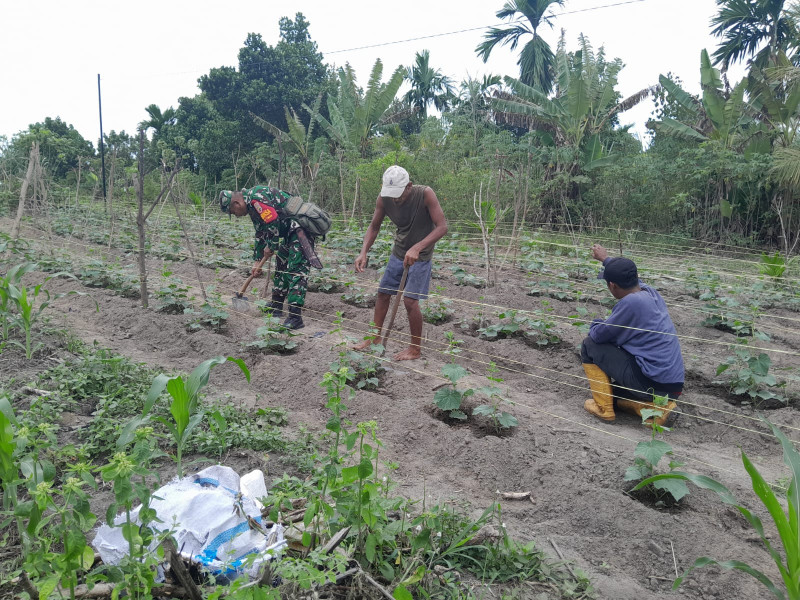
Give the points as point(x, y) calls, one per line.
point(102, 146)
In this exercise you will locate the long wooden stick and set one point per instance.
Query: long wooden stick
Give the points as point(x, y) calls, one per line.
point(397, 300)
point(249, 279)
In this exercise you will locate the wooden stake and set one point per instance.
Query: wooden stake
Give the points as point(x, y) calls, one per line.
point(189, 247)
point(24, 189)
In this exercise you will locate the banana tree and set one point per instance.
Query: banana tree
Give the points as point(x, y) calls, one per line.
point(720, 115)
point(723, 118)
point(355, 116)
point(585, 106)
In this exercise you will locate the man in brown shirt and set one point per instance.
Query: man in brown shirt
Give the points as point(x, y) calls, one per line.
point(420, 222)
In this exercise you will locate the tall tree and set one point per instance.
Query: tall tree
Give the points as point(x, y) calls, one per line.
point(536, 59)
point(289, 73)
point(60, 145)
point(758, 28)
point(428, 86)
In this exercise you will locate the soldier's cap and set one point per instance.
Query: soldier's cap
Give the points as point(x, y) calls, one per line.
point(620, 270)
point(395, 180)
point(225, 201)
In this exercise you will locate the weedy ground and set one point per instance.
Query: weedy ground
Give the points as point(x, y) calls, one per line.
point(573, 466)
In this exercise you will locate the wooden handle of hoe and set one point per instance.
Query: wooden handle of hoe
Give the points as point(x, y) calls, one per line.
point(247, 281)
point(397, 301)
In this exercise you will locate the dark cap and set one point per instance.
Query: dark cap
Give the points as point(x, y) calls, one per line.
point(621, 271)
point(225, 201)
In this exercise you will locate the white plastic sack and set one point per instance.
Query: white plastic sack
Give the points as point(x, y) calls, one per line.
point(208, 512)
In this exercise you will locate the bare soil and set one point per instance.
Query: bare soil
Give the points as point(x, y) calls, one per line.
point(572, 463)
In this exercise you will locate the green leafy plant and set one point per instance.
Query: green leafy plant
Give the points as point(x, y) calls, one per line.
point(540, 332)
point(29, 309)
point(467, 279)
point(327, 281)
point(173, 296)
point(450, 397)
point(648, 455)
point(184, 407)
point(786, 520)
point(358, 297)
point(437, 310)
point(273, 337)
point(499, 419)
point(9, 282)
point(212, 314)
point(363, 371)
point(750, 375)
point(772, 266)
point(98, 273)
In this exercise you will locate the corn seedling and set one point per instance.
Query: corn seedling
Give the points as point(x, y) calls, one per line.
point(28, 312)
point(10, 281)
point(184, 407)
point(786, 521)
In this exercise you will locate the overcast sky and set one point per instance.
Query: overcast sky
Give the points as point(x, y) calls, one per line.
point(153, 52)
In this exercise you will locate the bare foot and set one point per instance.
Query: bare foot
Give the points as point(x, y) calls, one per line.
point(365, 345)
point(410, 353)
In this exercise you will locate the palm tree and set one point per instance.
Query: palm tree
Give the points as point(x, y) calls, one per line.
point(428, 86)
point(536, 59)
point(157, 119)
point(754, 27)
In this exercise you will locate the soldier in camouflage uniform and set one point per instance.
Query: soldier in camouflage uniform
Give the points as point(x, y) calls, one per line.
point(274, 235)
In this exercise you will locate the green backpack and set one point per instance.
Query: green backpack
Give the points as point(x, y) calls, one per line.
point(308, 215)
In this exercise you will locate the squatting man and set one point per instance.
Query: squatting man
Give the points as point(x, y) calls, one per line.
point(636, 346)
point(420, 222)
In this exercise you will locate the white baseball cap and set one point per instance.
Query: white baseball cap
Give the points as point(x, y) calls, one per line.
point(395, 180)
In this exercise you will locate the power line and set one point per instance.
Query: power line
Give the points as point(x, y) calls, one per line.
point(436, 35)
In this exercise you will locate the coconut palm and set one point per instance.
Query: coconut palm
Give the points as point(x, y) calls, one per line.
point(158, 119)
point(428, 86)
point(536, 59)
point(758, 28)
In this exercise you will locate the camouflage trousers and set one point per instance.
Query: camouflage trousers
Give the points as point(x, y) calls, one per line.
point(291, 272)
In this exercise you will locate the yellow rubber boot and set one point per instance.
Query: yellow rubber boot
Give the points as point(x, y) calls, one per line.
point(601, 404)
point(666, 419)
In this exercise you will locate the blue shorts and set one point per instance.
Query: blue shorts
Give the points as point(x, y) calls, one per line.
point(417, 282)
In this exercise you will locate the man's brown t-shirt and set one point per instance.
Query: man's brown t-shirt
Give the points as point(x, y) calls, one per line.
point(413, 222)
